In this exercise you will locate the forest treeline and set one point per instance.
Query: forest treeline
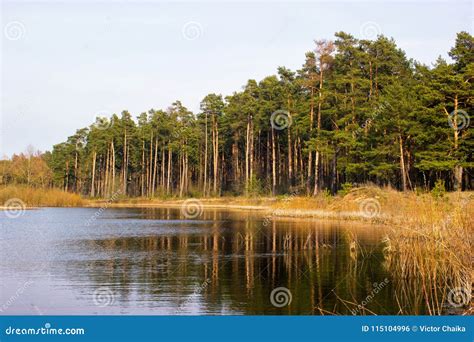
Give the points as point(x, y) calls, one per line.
point(358, 111)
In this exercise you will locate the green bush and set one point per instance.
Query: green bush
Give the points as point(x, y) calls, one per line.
point(439, 190)
point(326, 193)
point(255, 187)
point(346, 188)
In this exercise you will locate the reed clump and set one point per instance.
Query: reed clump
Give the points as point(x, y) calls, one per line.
point(429, 252)
point(35, 197)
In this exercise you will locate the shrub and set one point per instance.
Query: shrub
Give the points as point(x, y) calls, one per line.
point(346, 188)
point(439, 189)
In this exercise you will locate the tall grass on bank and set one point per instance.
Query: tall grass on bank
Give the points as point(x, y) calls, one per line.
point(429, 252)
point(40, 197)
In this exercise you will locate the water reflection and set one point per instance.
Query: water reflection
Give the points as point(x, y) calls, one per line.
point(154, 261)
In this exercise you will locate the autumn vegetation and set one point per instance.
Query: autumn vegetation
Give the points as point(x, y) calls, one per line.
point(356, 112)
point(34, 197)
point(358, 120)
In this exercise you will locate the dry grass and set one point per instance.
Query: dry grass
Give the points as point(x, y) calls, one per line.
point(385, 205)
point(40, 197)
point(382, 205)
point(430, 251)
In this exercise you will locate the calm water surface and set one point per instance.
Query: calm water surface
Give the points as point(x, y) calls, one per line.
point(155, 261)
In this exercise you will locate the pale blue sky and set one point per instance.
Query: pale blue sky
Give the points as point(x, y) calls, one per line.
point(73, 60)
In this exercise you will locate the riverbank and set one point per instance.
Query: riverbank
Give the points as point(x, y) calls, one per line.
point(367, 203)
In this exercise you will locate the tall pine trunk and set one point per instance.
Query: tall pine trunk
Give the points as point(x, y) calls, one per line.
point(310, 154)
point(402, 165)
point(94, 157)
point(205, 158)
point(168, 181)
point(318, 128)
point(125, 164)
point(273, 163)
point(112, 161)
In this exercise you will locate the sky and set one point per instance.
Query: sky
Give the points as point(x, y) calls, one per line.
point(64, 63)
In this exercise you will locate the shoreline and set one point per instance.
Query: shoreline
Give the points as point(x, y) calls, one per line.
point(364, 204)
point(270, 209)
point(264, 210)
